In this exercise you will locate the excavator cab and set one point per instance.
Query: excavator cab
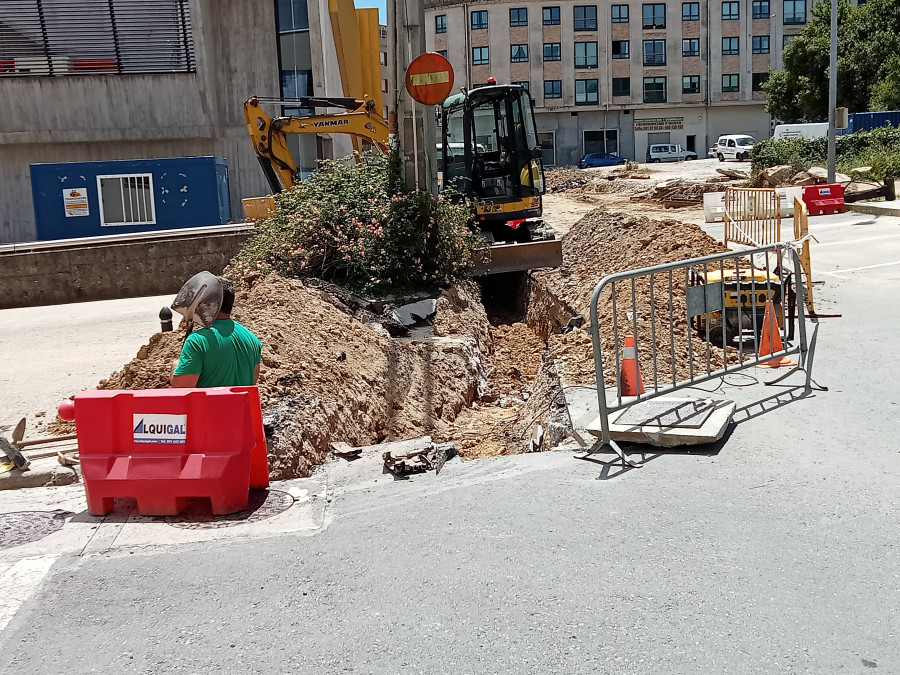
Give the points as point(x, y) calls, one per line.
point(491, 155)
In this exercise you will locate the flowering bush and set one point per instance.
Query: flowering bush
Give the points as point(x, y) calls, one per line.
point(350, 225)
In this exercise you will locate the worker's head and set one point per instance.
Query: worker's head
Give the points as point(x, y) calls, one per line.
point(227, 296)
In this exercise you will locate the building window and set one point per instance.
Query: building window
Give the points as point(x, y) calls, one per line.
point(655, 16)
point(690, 84)
point(384, 86)
point(731, 11)
point(786, 40)
point(551, 16)
point(382, 58)
point(605, 140)
point(759, 79)
point(621, 86)
point(126, 199)
point(440, 23)
point(525, 85)
point(552, 51)
point(585, 17)
point(547, 140)
point(479, 20)
point(731, 83)
point(586, 92)
point(518, 16)
point(730, 46)
point(760, 9)
point(518, 53)
point(654, 52)
point(296, 83)
point(552, 88)
point(760, 44)
point(654, 90)
point(585, 54)
point(690, 47)
point(620, 49)
point(794, 12)
point(481, 56)
point(690, 11)
point(443, 52)
point(293, 15)
point(44, 38)
point(620, 13)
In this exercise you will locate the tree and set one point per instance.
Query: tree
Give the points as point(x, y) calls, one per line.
point(868, 40)
point(886, 94)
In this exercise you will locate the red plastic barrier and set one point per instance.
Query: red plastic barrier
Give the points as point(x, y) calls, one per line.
point(165, 446)
point(824, 198)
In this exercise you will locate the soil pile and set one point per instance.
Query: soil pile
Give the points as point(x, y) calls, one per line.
point(602, 243)
point(326, 376)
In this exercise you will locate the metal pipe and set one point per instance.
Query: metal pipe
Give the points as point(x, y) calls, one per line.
point(832, 93)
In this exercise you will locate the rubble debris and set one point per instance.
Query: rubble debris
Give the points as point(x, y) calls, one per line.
point(426, 457)
point(737, 174)
point(344, 450)
point(676, 192)
point(775, 176)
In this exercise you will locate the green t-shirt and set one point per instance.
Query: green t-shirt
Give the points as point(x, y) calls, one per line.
point(225, 355)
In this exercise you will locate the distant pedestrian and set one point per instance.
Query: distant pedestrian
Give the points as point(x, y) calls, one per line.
point(224, 355)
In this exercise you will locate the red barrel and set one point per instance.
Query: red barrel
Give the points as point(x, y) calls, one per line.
point(821, 199)
point(163, 447)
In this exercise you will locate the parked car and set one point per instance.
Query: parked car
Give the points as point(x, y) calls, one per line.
point(593, 159)
point(737, 146)
point(668, 153)
point(712, 152)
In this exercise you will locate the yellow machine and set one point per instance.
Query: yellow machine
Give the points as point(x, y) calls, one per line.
point(269, 135)
point(743, 294)
point(507, 188)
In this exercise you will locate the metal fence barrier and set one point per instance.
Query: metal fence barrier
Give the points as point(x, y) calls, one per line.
point(752, 216)
point(693, 321)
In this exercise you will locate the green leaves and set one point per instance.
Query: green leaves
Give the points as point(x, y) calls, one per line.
point(868, 41)
point(346, 224)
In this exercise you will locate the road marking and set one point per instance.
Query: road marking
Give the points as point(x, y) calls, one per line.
point(837, 273)
point(856, 241)
point(19, 583)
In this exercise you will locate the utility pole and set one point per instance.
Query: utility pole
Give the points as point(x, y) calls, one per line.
point(415, 123)
point(832, 94)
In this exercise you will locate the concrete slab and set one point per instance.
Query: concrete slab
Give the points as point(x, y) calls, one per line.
point(891, 208)
point(712, 429)
point(41, 473)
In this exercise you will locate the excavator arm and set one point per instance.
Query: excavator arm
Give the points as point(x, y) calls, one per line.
point(269, 134)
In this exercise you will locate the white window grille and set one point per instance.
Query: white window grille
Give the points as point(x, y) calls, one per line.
point(126, 199)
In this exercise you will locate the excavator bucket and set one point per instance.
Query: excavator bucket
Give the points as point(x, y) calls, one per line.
point(200, 299)
point(502, 258)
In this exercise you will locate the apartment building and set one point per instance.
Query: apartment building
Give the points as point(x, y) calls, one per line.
point(618, 76)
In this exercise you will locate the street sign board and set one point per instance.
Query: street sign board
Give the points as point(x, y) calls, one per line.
point(429, 78)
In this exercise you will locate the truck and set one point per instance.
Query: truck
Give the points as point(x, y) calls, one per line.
point(813, 130)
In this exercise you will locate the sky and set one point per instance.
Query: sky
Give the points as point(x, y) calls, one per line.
point(380, 4)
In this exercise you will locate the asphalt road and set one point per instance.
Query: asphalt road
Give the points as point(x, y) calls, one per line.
point(776, 551)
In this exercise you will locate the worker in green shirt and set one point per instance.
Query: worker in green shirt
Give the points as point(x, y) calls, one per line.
point(224, 355)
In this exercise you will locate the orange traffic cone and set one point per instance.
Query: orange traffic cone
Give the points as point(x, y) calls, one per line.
point(630, 381)
point(770, 343)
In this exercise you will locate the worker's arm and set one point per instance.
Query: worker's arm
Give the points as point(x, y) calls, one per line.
point(185, 381)
point(186, 369)
point(255, 374)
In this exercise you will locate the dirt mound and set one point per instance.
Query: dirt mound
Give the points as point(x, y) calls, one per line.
point(602, 243)
point(326, 376)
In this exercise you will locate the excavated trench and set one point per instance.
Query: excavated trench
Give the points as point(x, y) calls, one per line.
point(336, 368)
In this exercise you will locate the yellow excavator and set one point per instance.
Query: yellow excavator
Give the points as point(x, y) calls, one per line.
point(490, 154)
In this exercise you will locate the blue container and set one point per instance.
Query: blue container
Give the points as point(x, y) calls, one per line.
point(88, 199)
point(866, 121)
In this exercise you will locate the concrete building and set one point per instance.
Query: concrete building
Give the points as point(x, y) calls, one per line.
point(142, 79)
point(617, 76)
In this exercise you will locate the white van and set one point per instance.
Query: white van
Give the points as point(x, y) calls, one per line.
point(666, 152)
point(734, 146)
point(814, 130)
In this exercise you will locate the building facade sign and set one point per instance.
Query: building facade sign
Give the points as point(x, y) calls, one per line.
point(659, 124)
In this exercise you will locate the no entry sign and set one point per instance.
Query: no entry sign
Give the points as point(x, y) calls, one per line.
point(429, 79)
